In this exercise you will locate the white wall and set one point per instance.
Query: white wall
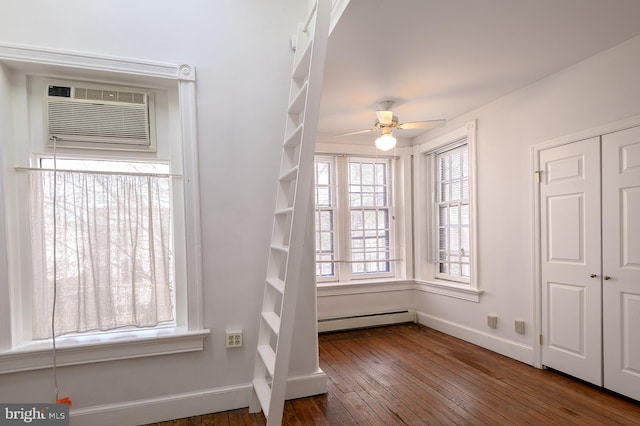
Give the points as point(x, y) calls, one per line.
point(243, 61)
point(599, 90)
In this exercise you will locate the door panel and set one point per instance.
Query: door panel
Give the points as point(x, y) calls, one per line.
point(621, 260)
point(566, 318)
point(566, 228)
point(570, 243)
point(630, 227)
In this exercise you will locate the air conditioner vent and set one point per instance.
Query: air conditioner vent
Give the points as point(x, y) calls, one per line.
point(103, 118)
point(100, 120)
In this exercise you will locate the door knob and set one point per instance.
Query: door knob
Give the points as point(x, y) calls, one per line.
point(593, 275)
point(607, 277)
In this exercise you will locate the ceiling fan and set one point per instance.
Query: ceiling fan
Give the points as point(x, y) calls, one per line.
point(387, 122)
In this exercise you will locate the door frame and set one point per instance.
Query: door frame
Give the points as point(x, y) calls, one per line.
point(615, 126)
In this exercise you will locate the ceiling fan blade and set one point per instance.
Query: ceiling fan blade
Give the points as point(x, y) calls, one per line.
point(429, 124)
point(356, 132)
point(384, 116)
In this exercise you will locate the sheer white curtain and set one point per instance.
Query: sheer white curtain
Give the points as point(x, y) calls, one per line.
point(112, 234)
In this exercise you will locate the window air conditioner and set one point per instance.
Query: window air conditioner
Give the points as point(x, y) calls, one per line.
point(88, 116)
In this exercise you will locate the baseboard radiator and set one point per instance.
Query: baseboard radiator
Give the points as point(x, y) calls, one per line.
point(364, 321)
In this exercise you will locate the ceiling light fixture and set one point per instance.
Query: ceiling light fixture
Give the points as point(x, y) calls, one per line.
point(386, 141)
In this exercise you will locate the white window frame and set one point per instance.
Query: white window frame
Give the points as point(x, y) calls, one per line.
point(398, 264)
point(20, 354)
point(346, 217)
point(436, 203)
point(427, 277)
point(334, 209)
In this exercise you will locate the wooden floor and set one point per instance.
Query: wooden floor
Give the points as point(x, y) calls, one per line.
point(410, 374)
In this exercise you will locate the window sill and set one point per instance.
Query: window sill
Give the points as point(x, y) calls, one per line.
point(100, 348)
point(444, 288)
point(363, 286)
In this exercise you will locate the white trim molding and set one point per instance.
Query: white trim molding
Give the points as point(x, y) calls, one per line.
point(354, 287)
point(100, 348)
point(55, 57)
point(458, 291)
point(193, 224)
point(509, 348)
point(190, 404)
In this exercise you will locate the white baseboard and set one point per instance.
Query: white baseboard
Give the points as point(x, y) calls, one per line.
point(307, 385)
point(509, 348)
point(362, 321)
point(189, 404)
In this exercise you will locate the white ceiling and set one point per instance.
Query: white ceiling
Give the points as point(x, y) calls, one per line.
point(443, 58)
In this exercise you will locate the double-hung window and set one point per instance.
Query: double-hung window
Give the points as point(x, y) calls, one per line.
point(370, 216)
point(444, 214)
point(325, 208)
point(354, 218)
point(108, 235)
point(451, 213)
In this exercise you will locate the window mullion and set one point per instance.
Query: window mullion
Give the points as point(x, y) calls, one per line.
point(344, 219)
point(435, 210)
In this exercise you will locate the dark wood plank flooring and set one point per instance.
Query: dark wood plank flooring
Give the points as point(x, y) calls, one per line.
point(411, 374)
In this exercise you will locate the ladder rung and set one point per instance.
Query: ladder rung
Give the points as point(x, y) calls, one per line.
point(295, 138)
point(277, 284)
point(297, 105)
point(301, 68)
point(283, 212)
point(263, 391)
point(282, 249)
point(268, 358)
point(289, 174)
point(273, 320)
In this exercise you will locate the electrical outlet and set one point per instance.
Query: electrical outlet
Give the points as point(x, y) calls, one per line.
point(520, 326)
point(492, 321)
point(234, 338)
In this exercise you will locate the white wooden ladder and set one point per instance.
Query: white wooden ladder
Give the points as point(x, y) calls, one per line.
point(291, 218)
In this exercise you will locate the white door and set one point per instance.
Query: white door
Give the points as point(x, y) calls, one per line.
point(571, 259)
point(621, 260)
